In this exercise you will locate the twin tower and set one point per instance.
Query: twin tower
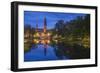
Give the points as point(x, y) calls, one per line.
point(44, 26)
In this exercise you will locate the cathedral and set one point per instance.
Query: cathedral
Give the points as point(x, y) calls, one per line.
point(42, 35)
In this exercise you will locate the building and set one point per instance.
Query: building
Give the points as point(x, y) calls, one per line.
point(42, 35)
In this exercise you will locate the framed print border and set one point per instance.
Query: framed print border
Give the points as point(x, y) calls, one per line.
point(15, 39)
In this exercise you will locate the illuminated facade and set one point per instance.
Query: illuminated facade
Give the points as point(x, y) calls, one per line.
point(41, 35)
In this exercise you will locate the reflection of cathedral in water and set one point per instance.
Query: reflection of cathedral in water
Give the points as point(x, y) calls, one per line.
point(34, 37)
point(42, 35)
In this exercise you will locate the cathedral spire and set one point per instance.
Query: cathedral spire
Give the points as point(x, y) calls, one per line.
point(45, 24)
point(36, 27)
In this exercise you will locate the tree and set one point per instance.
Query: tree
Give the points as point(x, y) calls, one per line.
point(60, 27)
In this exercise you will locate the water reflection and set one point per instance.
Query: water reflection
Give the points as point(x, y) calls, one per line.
point(73, 51)
point(58, 51)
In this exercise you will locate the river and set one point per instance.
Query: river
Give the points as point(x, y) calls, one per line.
point(42, 52)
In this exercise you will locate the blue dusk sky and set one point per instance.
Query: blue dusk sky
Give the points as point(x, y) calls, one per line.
point(32, 18)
